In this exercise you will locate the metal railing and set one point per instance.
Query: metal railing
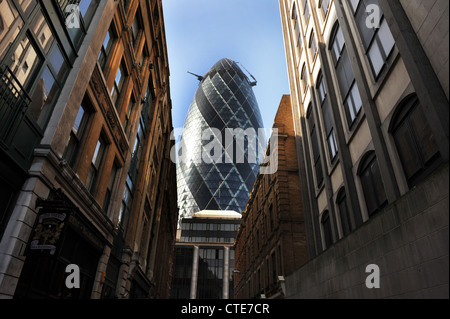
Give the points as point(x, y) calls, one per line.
point(14, 102)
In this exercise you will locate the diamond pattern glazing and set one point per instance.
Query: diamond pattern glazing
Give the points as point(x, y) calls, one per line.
point(223, 100)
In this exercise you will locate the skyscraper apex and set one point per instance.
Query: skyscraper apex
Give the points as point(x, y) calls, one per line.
point(223, 102)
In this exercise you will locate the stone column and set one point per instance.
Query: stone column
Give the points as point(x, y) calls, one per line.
point(194, 276)
point(226, 272)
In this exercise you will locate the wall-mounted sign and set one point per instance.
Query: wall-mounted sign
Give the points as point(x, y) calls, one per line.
point(52, 218)
point(46, 234)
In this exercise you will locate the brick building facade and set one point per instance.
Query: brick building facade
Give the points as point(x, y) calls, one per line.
point(100, 168)
point(271, 241)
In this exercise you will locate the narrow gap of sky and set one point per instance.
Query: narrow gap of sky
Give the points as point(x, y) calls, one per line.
point(201, 32)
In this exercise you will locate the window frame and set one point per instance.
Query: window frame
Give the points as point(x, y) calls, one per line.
point(402, 118)
point(306, 11)
point(313, 46)
point(325, 9)
point(371, 182)
point(138, 20)
point(104, 53)
point(344, 214)
point(351, 99)
point(297, 31)
point(304, 79)
point(327, 117)
point(382, 47)
point(325, 222)
point(118, 87)
point(71, 152)
point(96, 165)
point(315, 152)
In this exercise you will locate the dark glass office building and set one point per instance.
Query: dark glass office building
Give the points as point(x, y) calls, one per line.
point(207, 180)
point(204, 256)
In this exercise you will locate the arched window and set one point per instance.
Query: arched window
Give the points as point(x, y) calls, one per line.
point(304, 78)
point(414, 140)
point(313, 46)
point(377, 40)
point(314, 145)
point(344, 213)
point(326, 226)
point(345, 76)
point(297, 31)
point(327, 118)
point(306, 10)
point(372, 184)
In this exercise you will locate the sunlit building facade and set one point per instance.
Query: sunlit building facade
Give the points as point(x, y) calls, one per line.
point(219, 179)
point(369, 83)
point(85, 170)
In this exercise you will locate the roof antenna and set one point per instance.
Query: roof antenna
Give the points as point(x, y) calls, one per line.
point(251, 83)
point(199, 77)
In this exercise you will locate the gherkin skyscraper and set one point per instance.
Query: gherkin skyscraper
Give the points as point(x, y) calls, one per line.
point(223, 102)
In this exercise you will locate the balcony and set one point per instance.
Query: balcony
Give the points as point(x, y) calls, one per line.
point(19, 133)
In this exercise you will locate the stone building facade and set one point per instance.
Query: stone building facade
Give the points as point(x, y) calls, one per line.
point(98, 187)
point(369, 93)
point(271, 241)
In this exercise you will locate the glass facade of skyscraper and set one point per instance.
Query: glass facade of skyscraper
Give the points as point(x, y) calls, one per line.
point(219, 179)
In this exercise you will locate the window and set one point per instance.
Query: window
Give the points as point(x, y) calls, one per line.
point(414, 139)
point(87, 9)
point(95, 164)
point(306, 10)
point(130, 108)
point(79, 16)
point(42, 32)
point(26, 54)
point(125, 206)
point(49, 84)
point(346, 78)
point(136, 26)
point(10, 25)
point(35, 58)
point(313, 46)
point(327, 119)
point(315, 146)
point(344, 212)
point(109, 188)
point(378, 41)
point(304, 79)
point(372, 184)
point(106, 47)
point(76, 134)
point(118, 84)
point(144, 56)
point(326, 227)
point(324, 5)
point(297, 31)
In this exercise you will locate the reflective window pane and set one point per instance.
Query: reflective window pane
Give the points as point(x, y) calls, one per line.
point(87, 9)
point(24, 61)
point(43, 96)
point(376, 58)
point(58, 63)
point(42, 31)
point(387, 40)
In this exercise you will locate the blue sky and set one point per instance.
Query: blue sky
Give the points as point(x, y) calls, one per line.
point(201, 32)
